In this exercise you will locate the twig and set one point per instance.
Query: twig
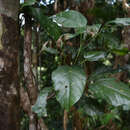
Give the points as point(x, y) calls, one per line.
point(65, 120)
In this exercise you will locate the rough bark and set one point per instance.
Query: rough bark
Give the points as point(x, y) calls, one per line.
point(28, 74)
point(126, 31)
point(65, 120)
point(9, 95)
point(122, 60)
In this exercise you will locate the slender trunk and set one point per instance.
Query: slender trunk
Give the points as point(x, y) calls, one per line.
point(9, 86)
point(65, 120)
point(28, 74)
point(122, 60)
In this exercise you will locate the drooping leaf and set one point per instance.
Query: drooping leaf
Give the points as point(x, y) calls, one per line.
point(50, 50)
point(40, 106)
point(102, 72)
point(114, 92)
point(94, 55)
point(78, 31)
point(50, 27)
point(121, 21)
point(70, 19)
point(69, 82)
point(28, 3)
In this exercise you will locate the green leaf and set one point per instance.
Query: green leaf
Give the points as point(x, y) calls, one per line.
point(114, 92)
point(101, 72)
point(94, 55)
point(70, 19)
point(90, 107)
point(40, 106)
point(50, 50)
point(69, 82)
point(50, 27)
point(28, 3)
point(91, 110)
point(80, 30)
point(93, 29)
point(106, 118)
point(114, 114)
point(121, 21)
point(121, 52)
point(111, 40)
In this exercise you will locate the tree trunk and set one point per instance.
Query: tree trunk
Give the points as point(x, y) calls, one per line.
point(9, 95)
point(122, 60)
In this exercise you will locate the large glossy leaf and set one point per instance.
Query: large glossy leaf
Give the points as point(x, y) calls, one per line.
point(94, 55)
point(70, 19)
point(114, 92)
point(40, 106)
point(69, 82)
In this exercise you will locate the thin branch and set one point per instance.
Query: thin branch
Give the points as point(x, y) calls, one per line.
point(65, 120)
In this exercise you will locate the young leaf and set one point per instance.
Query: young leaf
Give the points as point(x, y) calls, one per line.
point(70, 19)
point(69, 82)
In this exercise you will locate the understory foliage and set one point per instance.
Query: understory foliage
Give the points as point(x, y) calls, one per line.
point(80, 64)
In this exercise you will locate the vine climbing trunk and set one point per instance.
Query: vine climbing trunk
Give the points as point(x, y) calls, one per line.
point(29, 98)
point(28, 74)
point(9, 85)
